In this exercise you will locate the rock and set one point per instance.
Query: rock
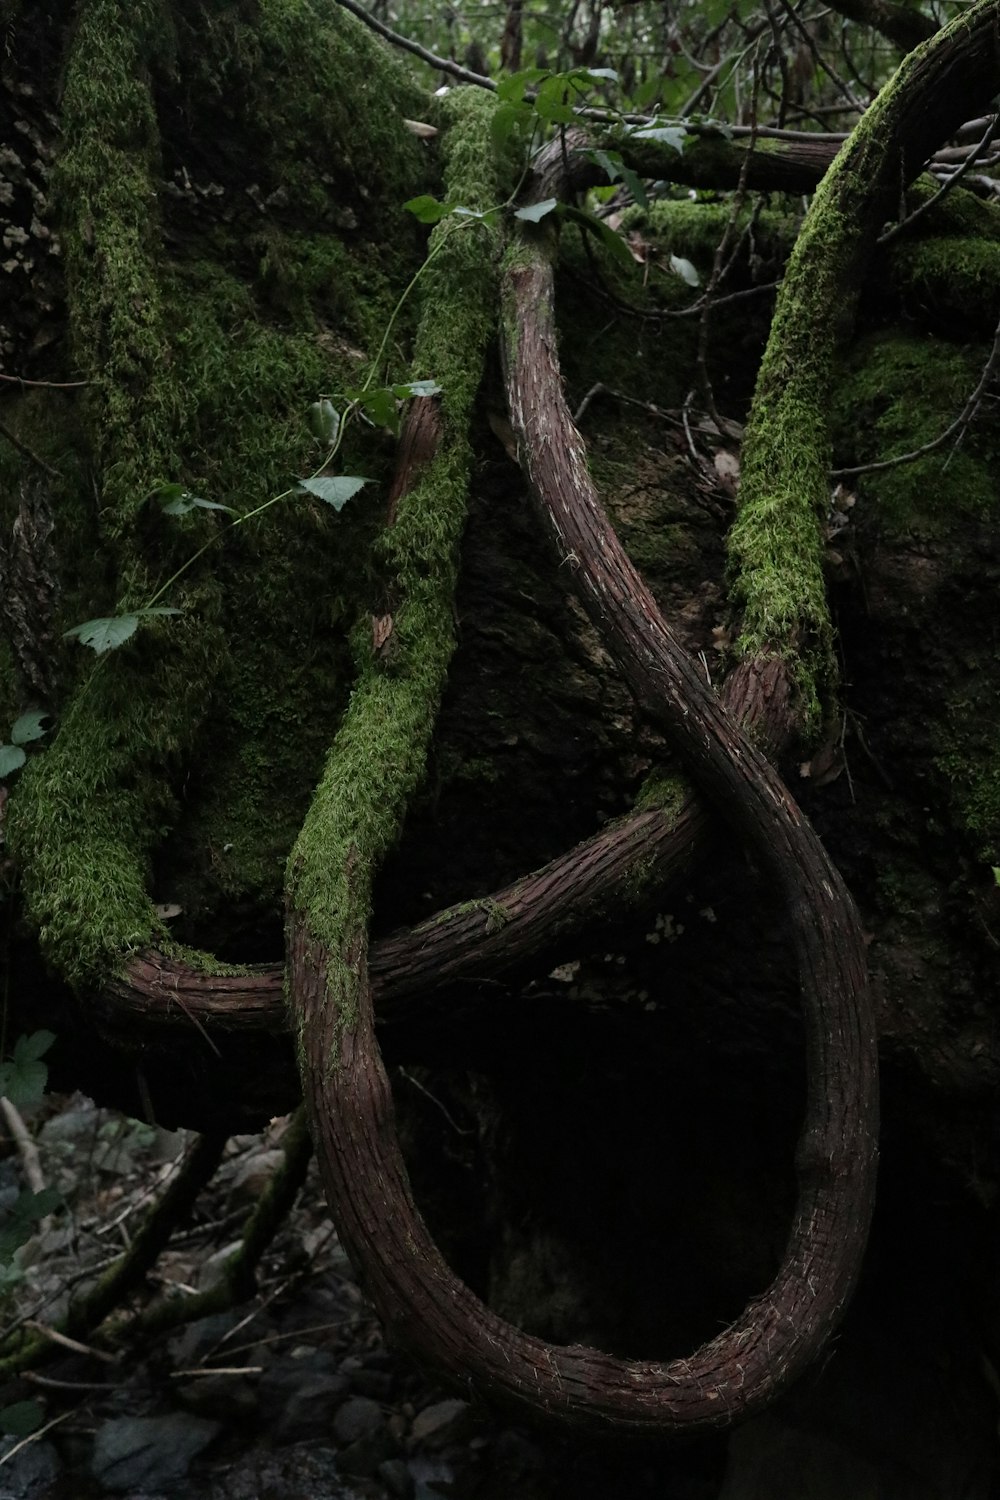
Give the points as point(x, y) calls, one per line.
point(213, 1269)
point(310, 1407)
point(200, 1339)
point(438, 1424)
point(32, 1471)
point(253, 1176)
point(374, 1383)
point(229, 1397)
point(396, 1477)
point(362, 1459)
point(357, 1418)
point(149, 1453)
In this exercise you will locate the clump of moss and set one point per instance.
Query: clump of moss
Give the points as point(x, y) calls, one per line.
point(895, 393)
point(379, 755)
point(202, 358)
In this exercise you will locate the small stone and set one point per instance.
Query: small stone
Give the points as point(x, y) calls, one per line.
point(310, 1409)
point(148, 1453)
point(436, 1424)
point(357, 1418)
point(396, 1477)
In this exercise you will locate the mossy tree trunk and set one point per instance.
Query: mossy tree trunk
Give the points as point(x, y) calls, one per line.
point(215, 239)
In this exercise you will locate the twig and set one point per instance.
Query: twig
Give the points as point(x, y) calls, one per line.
point(33, 1437)
point(28, 452)
point(26, 1148)
point(52, 385)
point(66, 1342)
point(442, 64)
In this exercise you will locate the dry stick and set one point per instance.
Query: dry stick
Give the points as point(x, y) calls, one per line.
point(87, 1311)
point(26, 1148)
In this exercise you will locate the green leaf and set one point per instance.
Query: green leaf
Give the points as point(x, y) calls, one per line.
point(416, 388)
point(511, 90)
point(427, 208)
point(996, 873)
point(30, 1048)
point(536, 211)
point(670, 135)
point(21, 1418)
point(12, 758)
point(634, 185)
point(324, 421)
point(685, 270)
point(19, 1225)
point(609, 162)
point(334, 491)
point(29, 727)
point(112, 631)
point(175, 500)
point(613, 242)
point(507, 122)
point(598, 74)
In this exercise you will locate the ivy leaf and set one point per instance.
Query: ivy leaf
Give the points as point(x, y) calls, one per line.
point(634, 185)
point(21, 1418)
point(29, 727)
point(511, 90)
point(685, 270)
point(416, 388)
point(27, 1209)
point(324, 422)
point(112, 631)
point(334, 491)
point(175, 500)
point(31, 1048)
point(670, 135)
point(12, 758)
point(536, 211)
point(428, 209)
point(612, 241)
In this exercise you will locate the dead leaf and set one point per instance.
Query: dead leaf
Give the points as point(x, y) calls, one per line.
point(381, 631)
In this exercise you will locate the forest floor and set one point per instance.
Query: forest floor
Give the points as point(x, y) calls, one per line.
point(291, 1394)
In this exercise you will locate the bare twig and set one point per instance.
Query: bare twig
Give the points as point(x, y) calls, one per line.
point(970, 160)
point(26, 1148)
point(22, 447)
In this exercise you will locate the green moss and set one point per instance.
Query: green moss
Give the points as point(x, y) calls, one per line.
point(896, 392)
point(201, 372)
point(379, 755)
point(968, 736)
point(662, 791)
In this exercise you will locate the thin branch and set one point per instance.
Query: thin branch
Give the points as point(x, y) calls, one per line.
point(28, 452)
point(442, 64)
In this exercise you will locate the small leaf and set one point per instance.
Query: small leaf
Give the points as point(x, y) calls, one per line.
point(512, 88)
point(612, 241)
point(416, 388)
point(112, 631)
point(996, 873)
point(30, 1048)
point(685, 270)
point(507, 120)
point(12, 758)
point(670, 135)
point(334, 491)
point(175, 500)
point(427, 208)
point(634, 185)
point(29, 727)
point(536, 211)
point(21, 1219)
point(324, 421)
point(21, 1418)
point(380, 407)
